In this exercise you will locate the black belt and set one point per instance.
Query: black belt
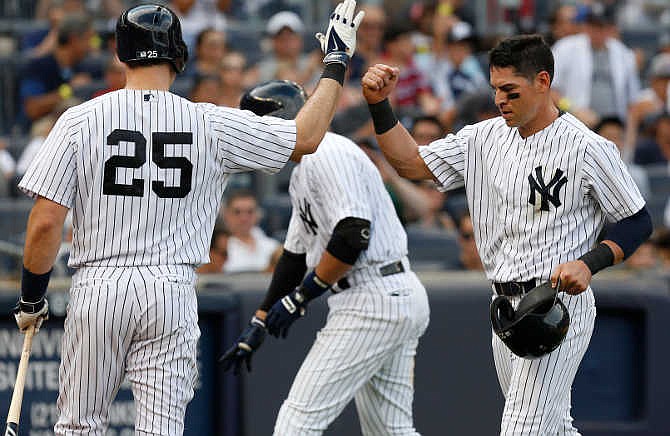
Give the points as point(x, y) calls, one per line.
point(386, 270)
point(511, 289)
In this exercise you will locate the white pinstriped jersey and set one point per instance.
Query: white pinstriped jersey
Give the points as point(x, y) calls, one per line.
point(144, 172)
point(327, 189)
point(535, 202)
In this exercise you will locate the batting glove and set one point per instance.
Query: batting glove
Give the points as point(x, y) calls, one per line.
point(27, 314)
point(339, 42)
point(284, 312)
point(249, 341)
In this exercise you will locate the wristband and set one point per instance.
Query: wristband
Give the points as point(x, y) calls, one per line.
point(599, 258)
point(33, 286)
point(257, 321)
point(312, 287)
point(65, 91)
point(383, 117)
point(335, 71)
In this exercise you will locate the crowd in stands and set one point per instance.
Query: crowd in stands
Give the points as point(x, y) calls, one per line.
point(615, 84)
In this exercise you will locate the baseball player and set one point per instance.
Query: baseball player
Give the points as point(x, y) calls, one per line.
point(540, 187)
point(344, 230)
point(143, 171)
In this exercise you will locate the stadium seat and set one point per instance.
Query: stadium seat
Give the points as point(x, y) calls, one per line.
point(276, 214)
point(432, 249)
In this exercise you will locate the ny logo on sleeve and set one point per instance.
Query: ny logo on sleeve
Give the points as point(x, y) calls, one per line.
point(545, 191)
point(307, 218)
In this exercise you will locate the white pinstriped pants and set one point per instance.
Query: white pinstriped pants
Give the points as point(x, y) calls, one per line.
point(365, 351)
point(134, 322)
point(537, 392)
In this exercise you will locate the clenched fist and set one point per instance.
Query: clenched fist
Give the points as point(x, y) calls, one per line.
point(378, 82)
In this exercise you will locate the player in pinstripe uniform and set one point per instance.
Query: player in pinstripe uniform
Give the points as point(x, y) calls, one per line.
point(344, 229)
point(143, 171)
point(540, 187)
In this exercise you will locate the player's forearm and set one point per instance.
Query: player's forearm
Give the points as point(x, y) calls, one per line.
point(43, 235)
point(314, 118)
point(330, 269)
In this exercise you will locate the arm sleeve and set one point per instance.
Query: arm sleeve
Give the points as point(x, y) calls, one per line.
point(446, 158)
point(609, 182)
point(52, 173)
point(247, 142)
point(288, 274)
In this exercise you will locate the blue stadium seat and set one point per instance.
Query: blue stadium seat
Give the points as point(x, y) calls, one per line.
point(432, 249)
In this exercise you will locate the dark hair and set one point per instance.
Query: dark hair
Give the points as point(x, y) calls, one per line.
point(428, 119)
point(608, 120)
point(219, 230)
point(396, 30)
point(239, 193)
point(527, 54)
point(73, 25)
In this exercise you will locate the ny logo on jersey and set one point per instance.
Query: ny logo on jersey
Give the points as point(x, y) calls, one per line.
point(307, 218)
point(545, 190)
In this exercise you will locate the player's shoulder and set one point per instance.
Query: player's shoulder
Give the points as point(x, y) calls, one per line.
point(334, 147)
point(494, 124)
point(583, 136)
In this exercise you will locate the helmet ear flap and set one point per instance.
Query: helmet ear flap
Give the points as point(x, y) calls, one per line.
point(502, 313)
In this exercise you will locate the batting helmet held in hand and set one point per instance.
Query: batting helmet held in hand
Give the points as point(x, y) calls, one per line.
point(537, 326)
point(149, 34)
point(278, 98)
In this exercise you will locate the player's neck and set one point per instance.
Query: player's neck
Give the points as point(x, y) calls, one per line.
point(158, 77)
point(545, 116)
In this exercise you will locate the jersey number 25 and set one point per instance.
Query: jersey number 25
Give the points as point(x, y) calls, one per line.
point(139, 158)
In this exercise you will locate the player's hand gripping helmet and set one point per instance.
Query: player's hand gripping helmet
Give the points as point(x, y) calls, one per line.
point(536, 327)
point(278, 98)
point(146, 34)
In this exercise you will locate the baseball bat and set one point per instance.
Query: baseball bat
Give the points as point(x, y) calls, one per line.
point(14, 414)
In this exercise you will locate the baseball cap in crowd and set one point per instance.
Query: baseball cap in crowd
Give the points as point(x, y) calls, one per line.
point(597, 14)
point(660, 66)
point(460, 32)
point(284, 19)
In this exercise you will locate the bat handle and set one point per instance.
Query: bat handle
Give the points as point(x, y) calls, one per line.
point(17, 397)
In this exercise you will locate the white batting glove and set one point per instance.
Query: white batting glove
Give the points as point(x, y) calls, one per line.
point(28, 314)
point(339, 42)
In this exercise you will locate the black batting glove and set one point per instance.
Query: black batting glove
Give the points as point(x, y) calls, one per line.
point(249, 341)
point(284, 312)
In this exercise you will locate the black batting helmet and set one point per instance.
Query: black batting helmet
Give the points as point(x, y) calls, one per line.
point(537, 326)
point(148, 34)
point(279, 98)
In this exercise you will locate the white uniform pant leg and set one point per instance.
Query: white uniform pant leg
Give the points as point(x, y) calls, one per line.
point(161, 362)
point(384, 403)
point(98, 331)
point(537, 392)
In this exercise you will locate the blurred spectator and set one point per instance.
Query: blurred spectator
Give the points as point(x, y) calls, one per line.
point(655, 150)
point(101, 8)
point(233, 67)
point(412, 93)
point(206, 89)
point(651, 101)
point(612, 129)
point(218, 252)
point(434, 216)
point(661, 241)
point(48, 80)
point(469, 257)
point(475, 107)
point(7, 169)
point(664, 42)
point(368, 42)
point(196, 16)
point(40, 42)
point(644, 258)
point(426, 129)
point(666, 214)
point(595, 75)
point(562, 23)
point(249, 248)
point(115, 76)
point(210, 48)
point(456, 72)
point(38, 133)
point(286, 59)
